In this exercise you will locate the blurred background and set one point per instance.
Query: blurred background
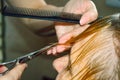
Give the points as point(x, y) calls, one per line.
point(40, 68)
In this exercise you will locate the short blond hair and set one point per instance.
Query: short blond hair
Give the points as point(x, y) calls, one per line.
point(95, 56)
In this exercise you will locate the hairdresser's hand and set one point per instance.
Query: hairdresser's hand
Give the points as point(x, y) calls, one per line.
point(66, 31)
point(14, 74)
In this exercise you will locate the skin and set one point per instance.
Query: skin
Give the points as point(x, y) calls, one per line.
point(66, 32)
point(61, 63)
point(16, 72)
point(90, 50)
point(34, 24)
point(13, 74)
point(89, 14)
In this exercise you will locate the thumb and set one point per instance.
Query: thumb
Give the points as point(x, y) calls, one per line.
point(88, 17)
point(15, 73)
point(3, 69)
point(65, 38)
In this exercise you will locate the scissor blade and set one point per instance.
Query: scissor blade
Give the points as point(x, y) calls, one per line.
point(34, 54)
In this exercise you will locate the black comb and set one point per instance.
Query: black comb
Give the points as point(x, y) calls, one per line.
point(41, 14)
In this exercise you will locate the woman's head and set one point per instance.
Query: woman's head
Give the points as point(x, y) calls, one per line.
point(95, 56)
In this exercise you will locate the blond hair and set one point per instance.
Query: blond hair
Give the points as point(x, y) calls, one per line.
point(95, 56)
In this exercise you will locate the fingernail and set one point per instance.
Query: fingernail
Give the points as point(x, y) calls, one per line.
point(3, 68)
point(61, 49)
point(49, 52)
point(82, 22)
point(54, 52)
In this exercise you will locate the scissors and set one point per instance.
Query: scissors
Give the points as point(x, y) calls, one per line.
point(25, 58)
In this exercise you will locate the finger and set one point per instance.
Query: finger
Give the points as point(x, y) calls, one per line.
point(49, 51)
point(79, 30)
point(65, 37)
point(15, 73)
point(58, 49)
point(72, 34)
point(54, 50)
point(3, 69)
point(63, 28)
point(61, 48)
point(89, 16)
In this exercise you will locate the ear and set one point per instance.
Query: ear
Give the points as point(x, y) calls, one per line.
point(61, 63)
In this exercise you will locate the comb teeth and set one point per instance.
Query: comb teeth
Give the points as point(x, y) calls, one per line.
point(41, 14)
